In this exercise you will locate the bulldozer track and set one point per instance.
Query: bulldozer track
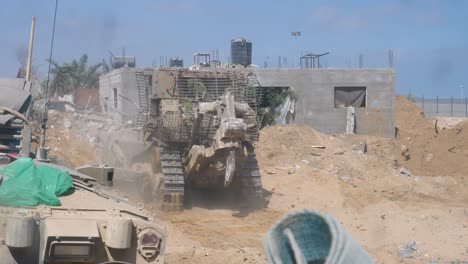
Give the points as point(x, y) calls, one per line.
point(251, 182)
point(173, 180)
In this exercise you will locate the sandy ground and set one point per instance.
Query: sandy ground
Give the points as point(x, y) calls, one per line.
point(382, 208)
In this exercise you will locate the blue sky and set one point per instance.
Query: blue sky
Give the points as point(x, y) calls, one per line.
point(429, 37)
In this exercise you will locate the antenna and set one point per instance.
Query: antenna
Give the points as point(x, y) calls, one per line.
point(42, 152)
point(390, 58)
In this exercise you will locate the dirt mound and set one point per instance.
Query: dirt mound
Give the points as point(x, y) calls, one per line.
point(409, 119)
point(356, 179)
point(447, 152)
point(287, 143)
point(426, 150)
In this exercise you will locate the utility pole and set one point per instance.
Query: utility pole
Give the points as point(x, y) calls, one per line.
point(30, 50)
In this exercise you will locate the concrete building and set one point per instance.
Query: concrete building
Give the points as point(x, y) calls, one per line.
point(323, 96)
point(320, 97)
point(119, 93)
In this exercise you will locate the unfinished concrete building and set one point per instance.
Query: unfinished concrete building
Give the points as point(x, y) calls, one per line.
point(324, 96)
point(122, 93)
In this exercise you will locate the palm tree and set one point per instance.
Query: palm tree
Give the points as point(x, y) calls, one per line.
point(72, 76)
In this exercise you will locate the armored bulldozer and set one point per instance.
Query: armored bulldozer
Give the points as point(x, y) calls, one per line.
point(199, 132)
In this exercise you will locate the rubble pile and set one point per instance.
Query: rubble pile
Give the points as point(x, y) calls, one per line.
point(72, 138)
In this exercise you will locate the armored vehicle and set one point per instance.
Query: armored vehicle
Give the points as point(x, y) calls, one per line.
point(92, 224)
point(199, 133)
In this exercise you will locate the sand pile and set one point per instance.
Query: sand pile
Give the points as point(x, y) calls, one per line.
point(426, 150)
point(409, 119)
point(288, 143)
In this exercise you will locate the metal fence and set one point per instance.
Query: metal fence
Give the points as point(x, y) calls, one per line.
point(445, 107)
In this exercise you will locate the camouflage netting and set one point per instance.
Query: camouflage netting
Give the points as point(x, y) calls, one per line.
point(27, 184)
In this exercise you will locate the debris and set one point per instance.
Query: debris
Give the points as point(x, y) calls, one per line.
point(429, 157)
point(361, 147)
point(69, 108)
point(66, 98)
point(405, 152)
point(318, 146)
point(305, 161)
point(270, 171)
point(344, 178)
point(407, 251)
point(67, 124)
point(332, 171)
point(405, 171)
point(339, 151)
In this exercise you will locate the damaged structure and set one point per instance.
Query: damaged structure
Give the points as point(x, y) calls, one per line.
point(325, 98)
point(15, 130)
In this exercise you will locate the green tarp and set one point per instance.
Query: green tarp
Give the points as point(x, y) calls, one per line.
point(27, 184)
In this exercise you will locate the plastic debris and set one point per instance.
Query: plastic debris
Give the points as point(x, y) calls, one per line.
point(405, 171)
point(407, 251)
